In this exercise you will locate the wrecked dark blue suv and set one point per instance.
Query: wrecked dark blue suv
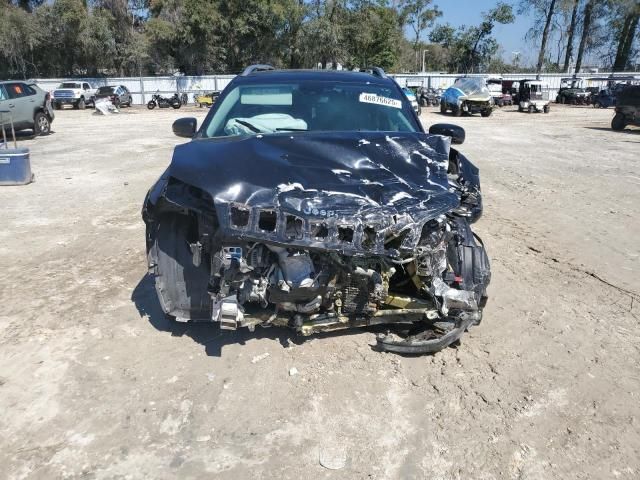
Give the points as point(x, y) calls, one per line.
point(315, 200)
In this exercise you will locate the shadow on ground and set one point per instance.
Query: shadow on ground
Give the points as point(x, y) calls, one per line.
point(608, 129)
point(209, 334)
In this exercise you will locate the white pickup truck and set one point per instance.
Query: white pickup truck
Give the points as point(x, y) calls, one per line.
point(78, 94)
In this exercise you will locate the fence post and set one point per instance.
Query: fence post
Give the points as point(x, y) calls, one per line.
point(142, 90)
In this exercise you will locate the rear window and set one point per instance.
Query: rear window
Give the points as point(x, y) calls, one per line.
point(106, 90)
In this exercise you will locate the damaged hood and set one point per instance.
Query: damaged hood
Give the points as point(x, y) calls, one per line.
point(326, 174)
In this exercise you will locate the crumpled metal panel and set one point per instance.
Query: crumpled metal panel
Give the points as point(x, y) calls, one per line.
point(388, 182)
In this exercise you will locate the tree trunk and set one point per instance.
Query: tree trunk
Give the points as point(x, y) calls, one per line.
point(586, 29)
point(625, 42)
point(545, 36)
point(572, 29)
point(626, 52)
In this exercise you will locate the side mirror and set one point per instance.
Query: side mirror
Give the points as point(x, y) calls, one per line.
point(185, 127)
point(456, 133)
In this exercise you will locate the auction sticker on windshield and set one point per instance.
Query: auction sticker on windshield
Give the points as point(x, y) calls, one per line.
point(374, 98)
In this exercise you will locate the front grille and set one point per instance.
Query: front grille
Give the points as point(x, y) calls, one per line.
point(63, 94)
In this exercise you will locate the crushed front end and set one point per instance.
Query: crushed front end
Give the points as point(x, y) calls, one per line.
point(375, 231)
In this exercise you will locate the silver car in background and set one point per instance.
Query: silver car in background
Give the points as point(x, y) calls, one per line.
point(27, 105)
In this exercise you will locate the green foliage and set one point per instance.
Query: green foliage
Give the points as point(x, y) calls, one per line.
point(471, 49)
point(61, 38)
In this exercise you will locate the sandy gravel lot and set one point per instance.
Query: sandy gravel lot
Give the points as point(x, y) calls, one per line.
point(94, 384)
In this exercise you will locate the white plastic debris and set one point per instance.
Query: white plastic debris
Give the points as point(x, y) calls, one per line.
point(259, 358)
point(333, 458)
point(293, 371)
point(105, 107)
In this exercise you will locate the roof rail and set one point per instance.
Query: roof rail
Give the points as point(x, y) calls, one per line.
point(260, 67)
point(376, 71)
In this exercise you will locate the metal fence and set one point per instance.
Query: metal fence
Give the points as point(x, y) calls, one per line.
point(143, 87)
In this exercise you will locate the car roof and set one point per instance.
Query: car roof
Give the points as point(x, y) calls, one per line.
point(343, 76)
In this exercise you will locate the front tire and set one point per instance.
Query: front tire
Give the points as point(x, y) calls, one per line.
point(486, 113)
point(151, 105)
point(618, 122)
point(81, 104)
point(532, 109)
point(546, 109)
point(443, 107)
point(182, 287)
point(41, 124)
point(457, 111)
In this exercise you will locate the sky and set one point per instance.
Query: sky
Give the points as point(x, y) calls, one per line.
point(510, 37)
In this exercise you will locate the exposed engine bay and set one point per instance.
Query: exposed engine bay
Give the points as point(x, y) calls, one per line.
point(395, 253)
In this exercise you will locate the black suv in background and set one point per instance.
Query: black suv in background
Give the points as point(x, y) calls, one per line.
point(28, 105)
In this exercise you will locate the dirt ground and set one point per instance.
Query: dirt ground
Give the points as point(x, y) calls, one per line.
point(94, 384)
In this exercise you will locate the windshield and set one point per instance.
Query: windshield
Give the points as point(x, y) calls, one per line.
point(69, 85)
point(471, 85)
point(107, 90)
point(309, 106)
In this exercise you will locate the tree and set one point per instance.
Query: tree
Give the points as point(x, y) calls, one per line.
point(471, 49)
point(571, 32)
point(419, 15)
point(545, 35)
point(586, 31)
point(502, 13)
point(627, 35)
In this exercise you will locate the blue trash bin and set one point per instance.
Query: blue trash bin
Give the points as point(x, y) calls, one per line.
point(15, 166)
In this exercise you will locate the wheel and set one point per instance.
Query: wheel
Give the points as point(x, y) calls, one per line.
point(41, 124)
point(486, 113)
point(151, 105)
point(562, 100)
point(81, 104)
point(423, 102)
point(618, 123)
point(182, 285)
point(116, 102)
point(201, 105)
point(457, 111)
point(443, 107)
point(56, 106)
point(597, 104)
point(520, 109)
point(546, 109)
point(176, 105)
point(531, 109)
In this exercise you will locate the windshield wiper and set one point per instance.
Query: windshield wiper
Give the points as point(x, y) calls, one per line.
point(291, 129)
point(250, 126)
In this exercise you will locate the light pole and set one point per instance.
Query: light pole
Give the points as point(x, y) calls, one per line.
point(424, 52)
